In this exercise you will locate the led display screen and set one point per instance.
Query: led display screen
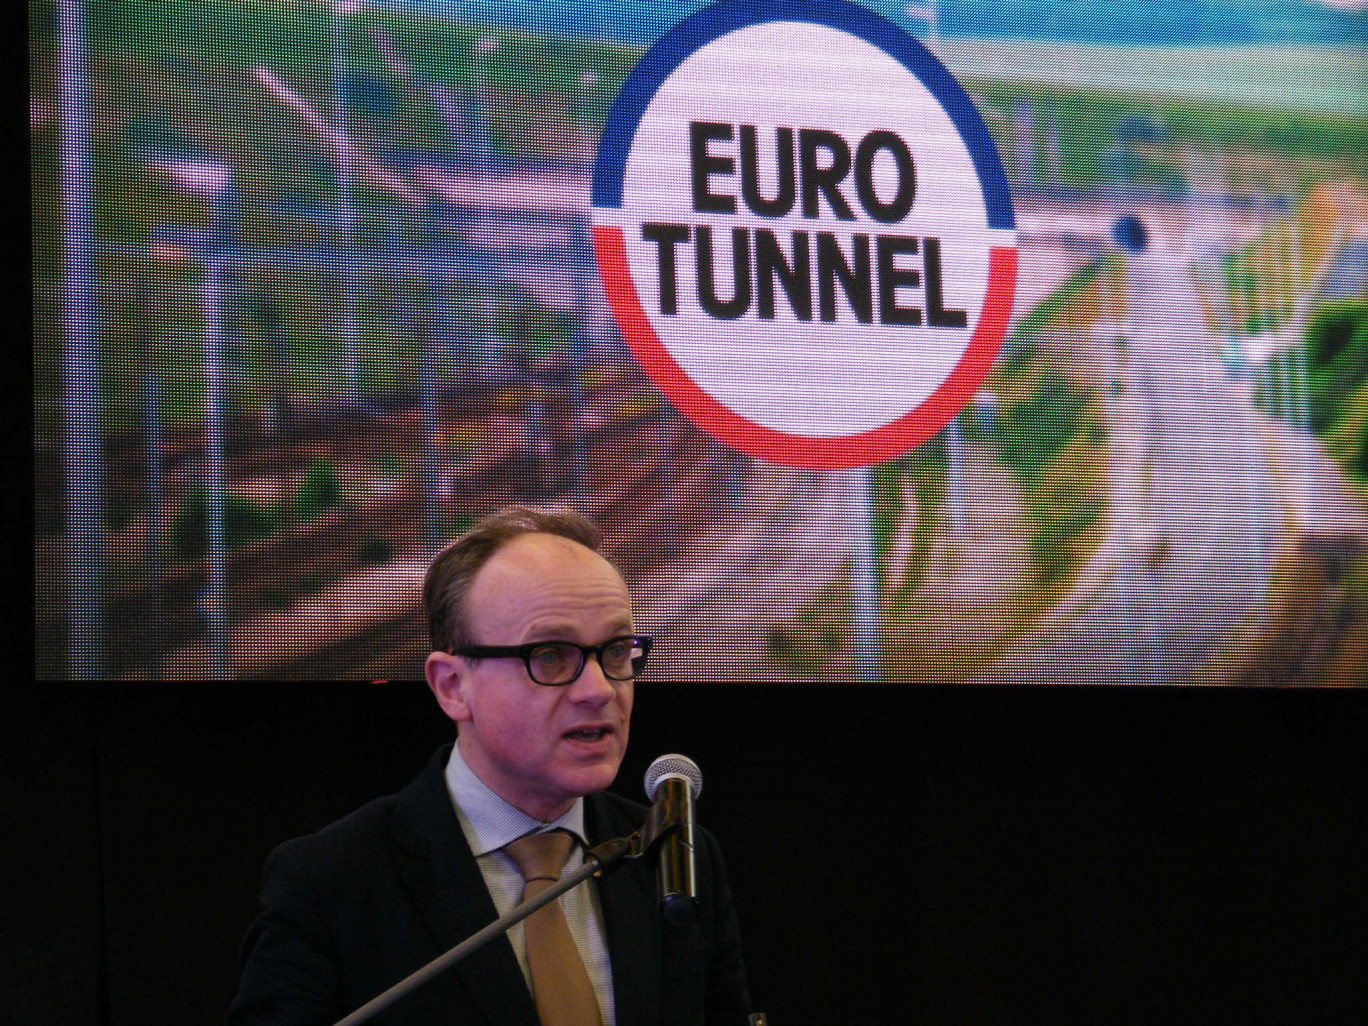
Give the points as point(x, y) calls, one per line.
point(953, 342)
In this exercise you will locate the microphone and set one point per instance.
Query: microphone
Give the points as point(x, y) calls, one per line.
point(672, 784)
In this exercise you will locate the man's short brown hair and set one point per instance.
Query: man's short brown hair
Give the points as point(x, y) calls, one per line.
point(453, 569)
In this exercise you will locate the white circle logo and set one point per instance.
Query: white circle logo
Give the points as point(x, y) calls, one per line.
point(804, 231)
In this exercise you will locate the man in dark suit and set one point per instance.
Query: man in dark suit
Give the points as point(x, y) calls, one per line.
point(534, 658)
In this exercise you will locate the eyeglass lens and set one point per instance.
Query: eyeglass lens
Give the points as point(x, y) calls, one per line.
point(559, 662)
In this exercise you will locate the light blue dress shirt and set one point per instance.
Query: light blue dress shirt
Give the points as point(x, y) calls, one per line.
point(489, 823)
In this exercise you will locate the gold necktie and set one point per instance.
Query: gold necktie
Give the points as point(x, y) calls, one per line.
point(560, 983)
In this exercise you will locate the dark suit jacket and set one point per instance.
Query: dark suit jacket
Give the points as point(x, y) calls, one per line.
point(356, 907)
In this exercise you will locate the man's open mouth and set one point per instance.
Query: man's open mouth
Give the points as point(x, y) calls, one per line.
point(588, 734)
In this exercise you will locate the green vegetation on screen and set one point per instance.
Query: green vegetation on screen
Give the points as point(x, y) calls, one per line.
point(1049, 429)
point(1336, 383)
point(1046, 428)
point(1107, 138)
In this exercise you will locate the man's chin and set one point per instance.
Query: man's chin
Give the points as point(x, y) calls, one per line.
point(592, 778)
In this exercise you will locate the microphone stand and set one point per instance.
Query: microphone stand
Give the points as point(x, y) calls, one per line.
point(602, 859)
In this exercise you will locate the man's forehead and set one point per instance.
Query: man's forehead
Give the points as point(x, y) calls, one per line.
point(533, 563)
point(544, 588)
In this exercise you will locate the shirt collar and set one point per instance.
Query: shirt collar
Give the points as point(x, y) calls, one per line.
point(488, 821)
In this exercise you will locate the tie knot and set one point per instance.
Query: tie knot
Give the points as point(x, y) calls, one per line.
point(540, 856)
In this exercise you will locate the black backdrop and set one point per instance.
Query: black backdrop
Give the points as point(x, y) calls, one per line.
point(899, 854)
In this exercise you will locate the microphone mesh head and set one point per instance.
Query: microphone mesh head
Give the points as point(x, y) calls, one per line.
point(679, 765)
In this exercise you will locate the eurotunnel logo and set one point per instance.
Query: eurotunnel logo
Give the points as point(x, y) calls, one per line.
point(804, 231)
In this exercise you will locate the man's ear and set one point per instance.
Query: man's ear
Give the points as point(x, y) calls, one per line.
point(446, 677)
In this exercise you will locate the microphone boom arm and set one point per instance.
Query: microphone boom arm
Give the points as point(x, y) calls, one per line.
point(600, 860)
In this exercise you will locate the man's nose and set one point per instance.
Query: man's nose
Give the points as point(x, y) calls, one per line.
point(592, 686)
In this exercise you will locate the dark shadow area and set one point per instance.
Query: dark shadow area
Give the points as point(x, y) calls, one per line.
point(897, 853)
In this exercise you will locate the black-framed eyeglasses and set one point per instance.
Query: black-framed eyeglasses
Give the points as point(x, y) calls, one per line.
point(554, 663)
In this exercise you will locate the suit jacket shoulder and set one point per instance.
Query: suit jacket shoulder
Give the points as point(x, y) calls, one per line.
point(352, 909)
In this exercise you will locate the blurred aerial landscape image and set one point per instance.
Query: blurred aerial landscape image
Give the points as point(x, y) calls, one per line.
point(314, 288)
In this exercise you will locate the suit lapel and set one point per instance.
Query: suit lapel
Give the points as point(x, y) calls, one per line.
point(634, 943)
point(450, 894)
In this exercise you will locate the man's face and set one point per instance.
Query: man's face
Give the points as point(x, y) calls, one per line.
point(539, 748)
